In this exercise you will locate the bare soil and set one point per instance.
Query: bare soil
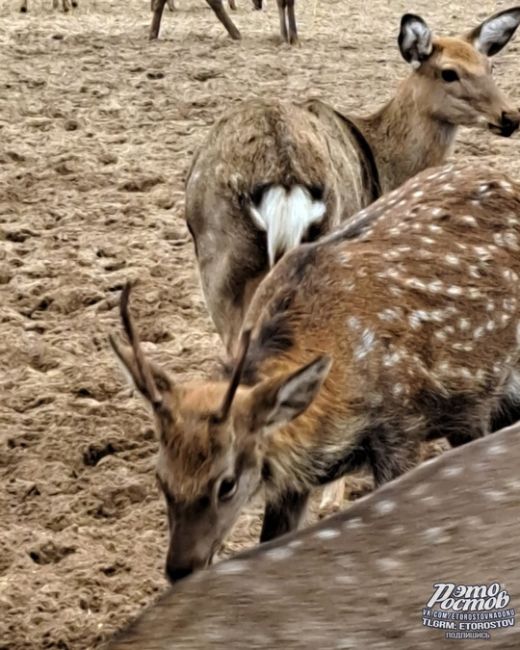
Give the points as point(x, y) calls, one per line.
point(97, 129)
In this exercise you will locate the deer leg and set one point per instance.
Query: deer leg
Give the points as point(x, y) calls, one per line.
point(74, 3)
point(171, 5)
point(391, 452)
point(66, 6)
point(332, 497)
point(55, 4)
point(283, 23)
point(257, 5)
point(23, 6)
point(158, 8)
point(291, 18)
point(232, 5)
point(222, 15)
point(284, 515)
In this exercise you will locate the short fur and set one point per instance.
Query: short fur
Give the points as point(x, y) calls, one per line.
point(419, 314)
point(266, 146)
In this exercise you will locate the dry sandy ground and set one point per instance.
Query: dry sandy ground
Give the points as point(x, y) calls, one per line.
point(97, 128)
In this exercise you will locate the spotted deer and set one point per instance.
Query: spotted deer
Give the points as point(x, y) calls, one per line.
point(286, 13)
point(66, 4)
point(271, 174)
point(450, 522)
point(401, 326)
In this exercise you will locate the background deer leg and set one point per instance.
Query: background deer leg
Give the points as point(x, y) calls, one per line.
point(171, 5)
point(23, 6)
point(66, 6)
point(283, 23)
point(257, 4)
point(222, 15)
point(158, 8)
point(291, 18)
point(284, 515)
point(232, 5)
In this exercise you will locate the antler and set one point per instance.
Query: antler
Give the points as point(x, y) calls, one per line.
point(144, 374)
point(235, 377)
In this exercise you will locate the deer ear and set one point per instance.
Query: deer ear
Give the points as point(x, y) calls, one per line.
point(130, 367)
point(495, 32)
point(415, 40)
point(278, 401)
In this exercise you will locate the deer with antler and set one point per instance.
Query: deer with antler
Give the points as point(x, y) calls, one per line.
point(408, 547)
point(271, 174)
point(351, 354)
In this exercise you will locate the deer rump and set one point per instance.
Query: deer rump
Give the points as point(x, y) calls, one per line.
point(281, 174)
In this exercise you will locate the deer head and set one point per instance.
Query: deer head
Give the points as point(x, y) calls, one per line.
point(453, 76)
point(211, 438)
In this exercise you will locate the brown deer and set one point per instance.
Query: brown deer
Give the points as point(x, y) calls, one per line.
point(170, 4)
point(271, 174)
point(402, 326)
point(216, 5)
point(288, 29)
point(372, 577)
point(66, 4)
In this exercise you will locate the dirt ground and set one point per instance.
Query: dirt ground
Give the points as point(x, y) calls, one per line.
point(97, 128)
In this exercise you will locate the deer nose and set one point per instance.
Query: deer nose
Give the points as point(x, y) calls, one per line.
point(174, 574)
point(509, 123)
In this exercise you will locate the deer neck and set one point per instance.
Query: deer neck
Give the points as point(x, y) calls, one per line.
point(406, 138)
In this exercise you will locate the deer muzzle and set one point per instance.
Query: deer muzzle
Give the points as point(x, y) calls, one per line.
point(507, 124)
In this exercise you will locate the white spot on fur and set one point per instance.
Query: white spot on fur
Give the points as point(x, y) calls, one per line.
point(367, 341)
point(468, 220)
point(285, 217)
point(454, 291)
point(390, 314)
point(390, 360)
point(354, 523)
point(388, 564)
point(452, 471)
point(496, 450)
point(435, 286)
point(452, 260)
point(279, 554)
point(415, 283)
point(384, 507)
point(231, 567)
point(436, 535)
point(427, 240)
point(353, 323)
point(327, 533)
point(397, 389)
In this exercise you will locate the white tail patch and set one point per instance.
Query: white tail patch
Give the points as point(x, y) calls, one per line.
point(285, 216)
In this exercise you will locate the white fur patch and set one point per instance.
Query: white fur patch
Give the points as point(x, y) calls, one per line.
point(497, 31)
point(286, 216)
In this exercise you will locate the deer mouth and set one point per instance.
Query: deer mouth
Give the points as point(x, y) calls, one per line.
point(505, 130)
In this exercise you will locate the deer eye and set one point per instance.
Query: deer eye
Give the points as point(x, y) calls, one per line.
point(227, 488)
point(450, 75)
